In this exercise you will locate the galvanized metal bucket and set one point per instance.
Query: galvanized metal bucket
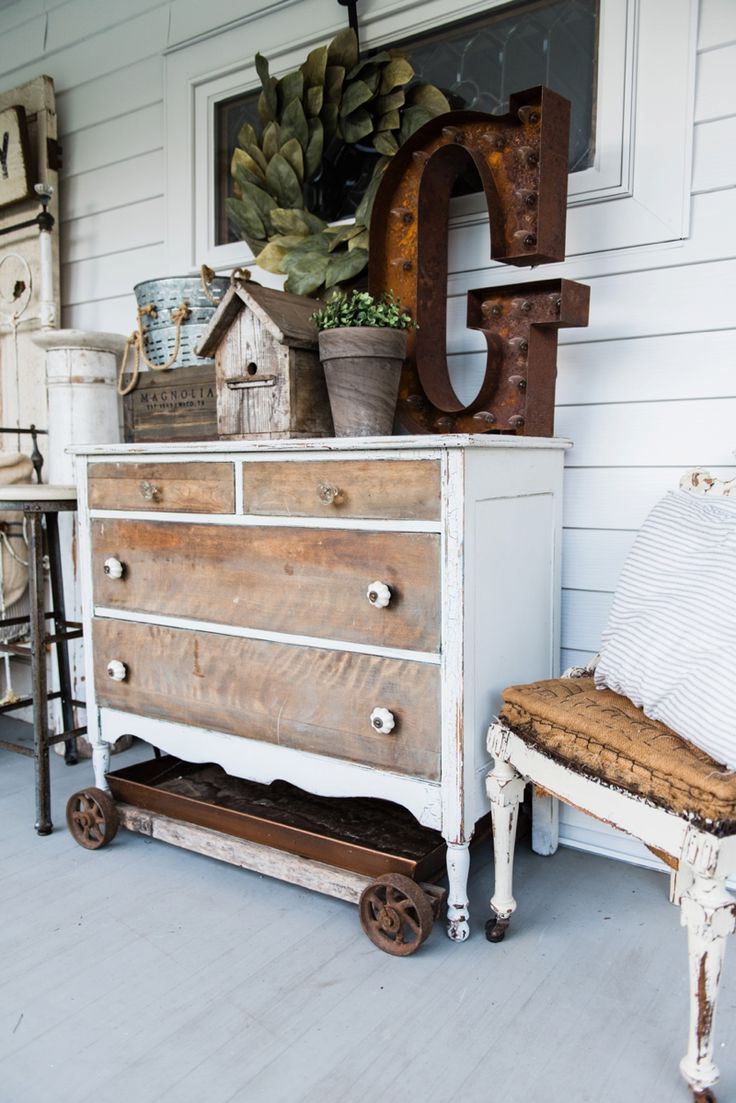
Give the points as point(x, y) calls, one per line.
point(164, 323)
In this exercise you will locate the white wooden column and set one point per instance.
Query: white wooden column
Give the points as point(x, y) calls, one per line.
point(83, 408)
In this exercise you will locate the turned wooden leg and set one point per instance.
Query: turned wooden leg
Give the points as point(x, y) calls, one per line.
point(101, 764)
point(505, 788)
point(707, 910)
point(545, 822)
point(458, 868)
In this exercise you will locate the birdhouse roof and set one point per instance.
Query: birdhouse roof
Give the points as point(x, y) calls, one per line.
point(285, 316)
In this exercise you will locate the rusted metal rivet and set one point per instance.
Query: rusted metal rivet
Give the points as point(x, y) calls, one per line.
point(453, 134)
point(415, 400)
point(420, 156)
point(407, 217)
point(444, 423)
point(526, 305)
point(499, 143)
point(517, 421)
point(523, 346)
point(532, 159)
point(485, 416)
point(407, 266)
point(531, 199)
point(558, 305)
point(533, 116)
point(529, 241)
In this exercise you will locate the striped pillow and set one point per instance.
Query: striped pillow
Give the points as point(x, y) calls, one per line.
point(670, 644)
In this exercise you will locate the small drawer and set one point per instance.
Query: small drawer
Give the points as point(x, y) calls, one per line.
point(165, 487)
point(362, 708)
point(376, 588)
point(402, 490)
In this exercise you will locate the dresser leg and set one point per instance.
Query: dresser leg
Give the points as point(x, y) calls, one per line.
point(458, 868)
point(101, 764)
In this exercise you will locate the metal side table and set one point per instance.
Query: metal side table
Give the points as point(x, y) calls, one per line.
point(40, 506)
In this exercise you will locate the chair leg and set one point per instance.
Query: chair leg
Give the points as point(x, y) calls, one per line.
point(505, 788)
point(707, 910)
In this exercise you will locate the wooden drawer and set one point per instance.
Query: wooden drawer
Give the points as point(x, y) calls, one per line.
point(309, 582)
point(307, 698)
point(404, 490)
point(170, 487)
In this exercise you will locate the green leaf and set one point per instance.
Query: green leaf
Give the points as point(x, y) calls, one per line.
point(314, 67)
point(290, 87)
point(344, 266)
point(294, 124)
point(391, 102)
point(271, 258)
point(289, 221)
point(343, 234)
point(373, 61)
point(283, 182)
point(329, 118)
point(355, 94)
point(385, 143)
point(247, 136)
point(390, 121)
point(356, 126)
point(257, 154)
point(397, 72)
point(360, 241)
point(261, 201)
point(271, 140)
point(315, 147)
point(268, 103)
point(306, 272)
point(243, 160)
point(291, 241)
point(315, 224)
point(430, 98)
point(343, 50)
point(314, 100)
point(245, 218)
point(262, 69)
point(411, 119)
point(314, 243)
point(334, 80)
point(363, 213)
point(292, 152)
point(243, 176)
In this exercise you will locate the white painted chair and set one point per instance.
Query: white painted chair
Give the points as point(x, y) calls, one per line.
point(595, 750)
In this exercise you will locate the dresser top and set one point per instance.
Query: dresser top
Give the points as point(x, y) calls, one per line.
point(425, 443)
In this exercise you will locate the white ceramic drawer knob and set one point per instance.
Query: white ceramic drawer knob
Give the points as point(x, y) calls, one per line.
point(383, 720)
point(113, 567)
point(117, 671)
point(379, 594)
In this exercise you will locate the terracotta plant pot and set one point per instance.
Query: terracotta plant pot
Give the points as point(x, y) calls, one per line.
point(362, 369)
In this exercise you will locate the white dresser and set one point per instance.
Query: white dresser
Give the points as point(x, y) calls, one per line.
point(341, 614)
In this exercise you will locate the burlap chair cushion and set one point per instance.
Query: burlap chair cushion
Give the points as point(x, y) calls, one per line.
point(603, 735)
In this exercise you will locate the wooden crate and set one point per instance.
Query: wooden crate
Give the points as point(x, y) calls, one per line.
point(176, 405)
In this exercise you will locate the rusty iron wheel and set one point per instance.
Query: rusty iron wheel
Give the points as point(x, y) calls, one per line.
point(92, 818)
point(396, 914)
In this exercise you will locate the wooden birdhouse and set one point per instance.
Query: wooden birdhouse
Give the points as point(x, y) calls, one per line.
point(270, 383)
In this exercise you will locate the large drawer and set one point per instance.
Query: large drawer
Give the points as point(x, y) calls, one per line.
point(310, 582)
point(308, 698)
point(404, 490)
point(169, 487)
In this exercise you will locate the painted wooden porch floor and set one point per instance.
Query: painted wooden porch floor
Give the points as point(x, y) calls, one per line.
point(145, 974)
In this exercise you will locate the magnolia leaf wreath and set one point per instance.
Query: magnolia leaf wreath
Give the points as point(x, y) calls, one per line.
point(332, 97)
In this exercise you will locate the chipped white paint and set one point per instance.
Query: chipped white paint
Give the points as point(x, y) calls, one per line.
point(704, 862)
point(491, 491)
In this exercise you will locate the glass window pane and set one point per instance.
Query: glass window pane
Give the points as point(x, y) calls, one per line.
point(477, 63)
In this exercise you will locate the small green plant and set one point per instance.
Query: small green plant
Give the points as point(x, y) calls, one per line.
point(360, 308)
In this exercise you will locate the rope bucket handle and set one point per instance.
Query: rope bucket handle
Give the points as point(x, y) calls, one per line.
point(137, 339)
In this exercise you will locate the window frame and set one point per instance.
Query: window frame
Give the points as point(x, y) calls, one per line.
point(636, 194)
